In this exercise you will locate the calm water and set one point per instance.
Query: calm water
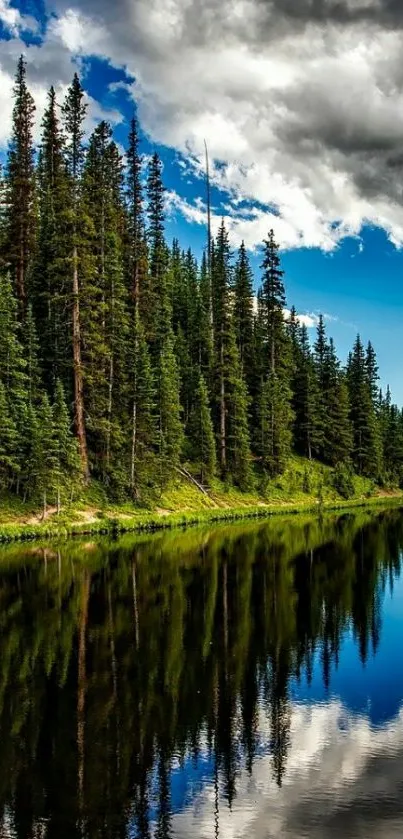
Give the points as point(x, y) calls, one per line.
point(242, 681)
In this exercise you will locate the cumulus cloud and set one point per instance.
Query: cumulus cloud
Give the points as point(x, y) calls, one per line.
point(343, 778)
point(301, 102)
point(13, 20)
point(50, 62)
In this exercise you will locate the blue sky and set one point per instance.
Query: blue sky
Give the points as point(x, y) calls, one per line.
point(303, 118)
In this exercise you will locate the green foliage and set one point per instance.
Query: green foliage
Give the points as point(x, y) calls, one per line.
point(201, 434)
point(20, 215)
point(275, 424)
point(9, 465)
point(128, 351)
point(366, 431)
point(170, 430)
point(343, 480)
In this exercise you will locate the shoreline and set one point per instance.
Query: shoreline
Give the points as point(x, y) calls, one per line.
point(114, 525)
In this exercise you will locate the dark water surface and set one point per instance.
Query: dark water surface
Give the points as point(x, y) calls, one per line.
point(238, 681)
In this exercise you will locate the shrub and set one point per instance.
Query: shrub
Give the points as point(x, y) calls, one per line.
point(343, 481)
point(306, 483)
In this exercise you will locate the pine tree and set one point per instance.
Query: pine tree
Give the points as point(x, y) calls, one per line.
point(275, 424)
point(243, 307)
point(20, 190)
point(137, 257)
point(170, 429)
point(221, 281)
point(321, 351)
point(104, 313)
point(142, 397)
point(51, 291)
point(9, 465)
point(206, 338)
point(275, 415)
point(74, 111)
point(273, 303)
point(33, 370)
point(293, 330)
point(41, 468)
point(308, 429)
point(238, 438)
point(64, 445)
point(154, 307)
point(371, 368)
point(338, 440)
point(12, 362)
point(366, 436)
point(201, 434)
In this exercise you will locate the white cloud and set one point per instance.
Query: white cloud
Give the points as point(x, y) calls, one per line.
point(303, 116)
point(13, 20)
point(308, 319)
point(340, 772)
point(49, 63)
point(302, 122)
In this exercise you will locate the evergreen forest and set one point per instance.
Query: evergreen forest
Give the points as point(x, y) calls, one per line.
point(127, 361)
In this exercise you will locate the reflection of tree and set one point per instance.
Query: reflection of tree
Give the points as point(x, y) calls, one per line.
point(119, 660)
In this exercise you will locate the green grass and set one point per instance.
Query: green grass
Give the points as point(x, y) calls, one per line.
point(304, 487)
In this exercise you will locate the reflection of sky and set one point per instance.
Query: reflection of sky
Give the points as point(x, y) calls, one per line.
point(340, 755)
point(375, 688)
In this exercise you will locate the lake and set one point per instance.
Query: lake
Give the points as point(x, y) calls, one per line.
point(229, 681)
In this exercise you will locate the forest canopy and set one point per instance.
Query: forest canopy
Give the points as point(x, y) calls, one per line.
point(123, 357)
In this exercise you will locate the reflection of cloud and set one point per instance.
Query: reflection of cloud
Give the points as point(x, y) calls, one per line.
point(343, 779)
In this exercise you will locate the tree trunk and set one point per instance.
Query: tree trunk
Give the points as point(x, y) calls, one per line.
point(78, 372)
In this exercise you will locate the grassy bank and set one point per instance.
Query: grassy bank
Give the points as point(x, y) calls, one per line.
point(304, 488)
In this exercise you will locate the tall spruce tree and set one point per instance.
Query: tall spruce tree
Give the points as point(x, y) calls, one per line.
point(51, 269)
point(366, 434)
point(274, 433)
point(137, 249)
point(337, 440)
point(142, 399)
point(74, 110)
point(237, 431)
point(20, 221)
point(154, 308)
point(273, 304)
point(104, 314)
point(9, 461)
point(275, 424)
point(308, 428)
point(65, 450)
point(170, 429)
point(221, 280)
point(201, 434)
point(206, 338)
point(321, 350)
point(243, 308)
point(13, 364)
point(371, 367)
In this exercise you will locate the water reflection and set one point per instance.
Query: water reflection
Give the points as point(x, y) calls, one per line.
point(239, 681)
